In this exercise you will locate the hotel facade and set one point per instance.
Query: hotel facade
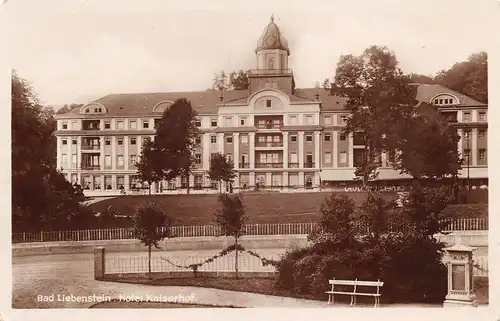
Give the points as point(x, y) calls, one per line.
point(278, 136)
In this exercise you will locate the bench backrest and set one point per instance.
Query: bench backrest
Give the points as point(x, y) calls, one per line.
point(356, 282)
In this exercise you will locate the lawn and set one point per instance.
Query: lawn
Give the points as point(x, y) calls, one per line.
point(261, 208)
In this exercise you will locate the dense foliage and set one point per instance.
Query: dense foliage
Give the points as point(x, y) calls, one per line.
point(221, 169)
point(397, 249)
point(237, 80)
point(42, 199)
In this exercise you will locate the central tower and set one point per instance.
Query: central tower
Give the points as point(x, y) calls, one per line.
point(272, 62)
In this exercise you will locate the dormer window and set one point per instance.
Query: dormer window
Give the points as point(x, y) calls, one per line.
point(445, 100)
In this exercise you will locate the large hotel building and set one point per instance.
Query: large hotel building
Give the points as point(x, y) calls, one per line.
point(278, 135)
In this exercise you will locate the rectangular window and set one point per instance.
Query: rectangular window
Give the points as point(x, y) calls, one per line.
point(262, 139)
point(262, 158)
point(133, 160)
point(73, 160)
point(228, 121)
point(107, 124)
point(293, 179)
point(467, 116)
point(446, 101)
point(119, 125)
point(343, 119)
point(133, 141)
point(440, 101)
point(243, 121)
point(145, 124)
point(107, 141)
point(197, 158)
point(309, 138)
point(309, 119)
point(197, 140)
point(482, 154)
point(328, 137)
point(482, 134)
point(64, 160)
point(276, 139)
point(293, 138)
point(197, 123)
point(466, 155)
point(293, 120)
point(293, 158)
point(119, 161)
point(107, 160)
point(436, 101)
point(229, 139)
point(244, 139)
point(343, 158)
point(65, 141)
point(213, 123)
point(132, 124)
point(74, 141)
point(328, 120)
point(213, 139)
point(119, 141)
point(268, 103)
point(328, 157)
point(482, 116)
point(64, 125)
point(342, 136)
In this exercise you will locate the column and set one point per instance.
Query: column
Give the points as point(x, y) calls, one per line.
point(285, 179)
point(317, 150)
point(103, 188)
point(383, 158)
point(474, 147)
point(251, 179)
point(351, 151)
point(251, 149)
point(301, 151)
point(335, 142)
point(459, 116)
point(113, 183)
point(206, 151)
point(79, 178)
point(101, 151)
point(220, 143)
point(301, 179)
point(285, 150)
point(460, 144)
point(236, 156)
point(113, 152)
point(59, 157)
point(125, 151)
point(78, 154)
point(139, 144)
point(126, 182)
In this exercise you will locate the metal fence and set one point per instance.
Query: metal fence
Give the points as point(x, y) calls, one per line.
point(139, 264)
point(466, 224)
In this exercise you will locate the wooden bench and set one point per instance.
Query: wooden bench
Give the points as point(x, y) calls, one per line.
point(353, 293)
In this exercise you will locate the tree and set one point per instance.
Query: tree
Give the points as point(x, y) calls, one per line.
point(231, 219)
point(468, 77)
point(378, 96)
point(427, 148)
point(149, 166)
point(237, 80)
point(151, 226)
point(336, 215)
point(326, 84)
point(175, 140)
point(42, 199)
point(221, 169)
point(374, 213)
point(422, 79)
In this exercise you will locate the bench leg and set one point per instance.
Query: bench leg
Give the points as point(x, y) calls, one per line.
point(352, 300)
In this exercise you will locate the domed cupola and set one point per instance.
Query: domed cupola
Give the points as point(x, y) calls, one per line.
point(272, 38)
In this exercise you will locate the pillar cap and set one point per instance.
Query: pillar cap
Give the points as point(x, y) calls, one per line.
point(460, 248)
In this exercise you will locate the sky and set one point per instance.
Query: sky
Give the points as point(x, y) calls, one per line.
point(75, 51)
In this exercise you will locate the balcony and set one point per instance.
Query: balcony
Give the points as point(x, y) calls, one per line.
point(91, 147)
point(269, 144)
point(270, 72)
point(270, 126)
point(268, 165)
point(91, 125)
point(244, 165)
point(91, 167)
point(308, 165)
point(293, 165)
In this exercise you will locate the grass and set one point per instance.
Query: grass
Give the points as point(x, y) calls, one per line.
point(481, 287)
point(198, 209)
point(153, 305)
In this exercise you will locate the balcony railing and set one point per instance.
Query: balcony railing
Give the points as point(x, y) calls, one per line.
point(265, 72)
point(269, 144)
point(270, 126)
point(91, 167)
point(244, 165)
point(293, 165)
point(308, 165)
point(91, 147)
point(269, 165)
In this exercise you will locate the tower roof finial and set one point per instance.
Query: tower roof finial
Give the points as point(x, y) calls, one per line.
point(272, 18)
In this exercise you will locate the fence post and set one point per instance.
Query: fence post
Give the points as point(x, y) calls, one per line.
point(24, 237)
point(99, 263)
point(41, 236)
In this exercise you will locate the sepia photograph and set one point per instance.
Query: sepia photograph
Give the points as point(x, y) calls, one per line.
point(265, 155)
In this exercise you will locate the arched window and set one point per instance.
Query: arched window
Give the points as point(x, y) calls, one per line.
point(270, 64)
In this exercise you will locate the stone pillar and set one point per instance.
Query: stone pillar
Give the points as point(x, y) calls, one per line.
point(113, 152)
point(59, 149)
point(206, 151)
point(101, 152)
point(236, 144)
point(125, 152)
point(473, 147)
point(285, 181)
point(460, 147)
point(220, 143)
point(301, 150)
point(285, 149)
point(460, 276)
point(251, 149)
point(317, 150)
point(99, 263)
point(335, 156)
